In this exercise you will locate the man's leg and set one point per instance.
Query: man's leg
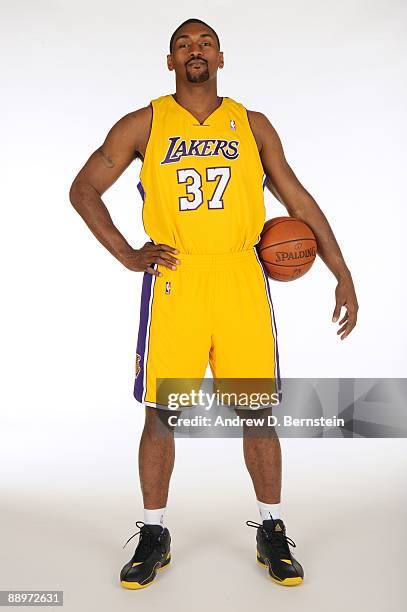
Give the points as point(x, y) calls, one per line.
point(156, 457)
point(262, 454)
point(156, 462)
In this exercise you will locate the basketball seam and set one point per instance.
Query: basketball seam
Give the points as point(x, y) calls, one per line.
point(270, 246)
point(283, 221)
point(307, 263)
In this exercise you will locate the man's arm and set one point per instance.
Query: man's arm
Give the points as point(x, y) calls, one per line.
point(125, 141)
point(283, 183)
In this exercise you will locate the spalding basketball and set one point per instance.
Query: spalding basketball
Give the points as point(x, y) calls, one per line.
point(287, 248)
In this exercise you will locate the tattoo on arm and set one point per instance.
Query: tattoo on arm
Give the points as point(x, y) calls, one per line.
point(106, 159)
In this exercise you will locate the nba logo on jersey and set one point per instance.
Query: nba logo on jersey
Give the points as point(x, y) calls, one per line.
point(167, 287)
point(233, 124)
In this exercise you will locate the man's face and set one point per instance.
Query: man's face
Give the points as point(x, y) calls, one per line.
point(195, 54)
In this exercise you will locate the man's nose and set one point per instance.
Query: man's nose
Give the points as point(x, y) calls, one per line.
point(195, 50)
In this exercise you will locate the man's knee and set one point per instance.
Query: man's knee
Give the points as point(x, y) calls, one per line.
point(157, 421)
point(257, 423)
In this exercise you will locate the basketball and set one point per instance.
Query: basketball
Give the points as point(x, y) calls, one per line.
point(287, 248)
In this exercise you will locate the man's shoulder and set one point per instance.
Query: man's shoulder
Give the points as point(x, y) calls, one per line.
point(132, 130)
point(135, 125)
point(138, 116)
point(259, 123)
point(257, 117)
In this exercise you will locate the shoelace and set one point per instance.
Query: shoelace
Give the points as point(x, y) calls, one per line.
point(146, 536)
point(277, 539)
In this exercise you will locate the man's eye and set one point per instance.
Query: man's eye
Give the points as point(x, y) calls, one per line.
point(206, 42)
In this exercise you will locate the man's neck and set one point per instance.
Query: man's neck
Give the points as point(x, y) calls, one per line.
point(201, 99)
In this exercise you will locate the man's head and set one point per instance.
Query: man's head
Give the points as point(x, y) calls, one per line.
point(195, 53)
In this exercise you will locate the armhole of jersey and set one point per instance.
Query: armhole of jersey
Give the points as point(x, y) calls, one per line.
point(256, 147)
point(150, 137)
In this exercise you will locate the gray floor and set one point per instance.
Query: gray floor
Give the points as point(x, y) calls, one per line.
point(344, 505)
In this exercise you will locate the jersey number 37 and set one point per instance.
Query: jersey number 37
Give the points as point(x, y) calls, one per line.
point(193, 181)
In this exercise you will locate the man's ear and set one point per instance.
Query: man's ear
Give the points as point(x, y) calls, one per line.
point(170, 63)
point(221, 59)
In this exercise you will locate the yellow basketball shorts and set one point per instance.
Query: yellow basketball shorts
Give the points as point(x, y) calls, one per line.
point(212, 308)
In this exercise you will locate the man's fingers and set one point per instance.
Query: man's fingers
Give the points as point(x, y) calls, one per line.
point(342, 329)
point(166, 256)
point(166, 247)
point(347, 328)
point(344, 318)
point(160, 254)
point(163, 251)
point(352, 317)
point(336, 313)
point(151, 270)
point(165, 262)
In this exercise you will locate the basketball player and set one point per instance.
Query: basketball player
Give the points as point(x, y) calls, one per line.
point(205, 295)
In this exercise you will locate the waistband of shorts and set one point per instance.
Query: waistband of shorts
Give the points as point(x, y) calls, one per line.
point(215, 259)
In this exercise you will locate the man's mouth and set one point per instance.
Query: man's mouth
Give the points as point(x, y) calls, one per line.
point(196, 63)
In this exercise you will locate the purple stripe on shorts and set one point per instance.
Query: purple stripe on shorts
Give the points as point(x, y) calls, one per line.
point(143, 197)
point(142, 333)
point(264, 181)
point(266, 280)
point(275, 325)
point(141, 190)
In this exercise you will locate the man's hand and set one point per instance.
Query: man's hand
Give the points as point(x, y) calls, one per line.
point(141, 260)
point(345, 296)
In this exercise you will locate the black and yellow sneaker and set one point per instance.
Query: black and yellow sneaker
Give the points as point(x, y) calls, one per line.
point(274, 553)
point(152, 554)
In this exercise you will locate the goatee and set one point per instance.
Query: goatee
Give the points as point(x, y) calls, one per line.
point(198, 78)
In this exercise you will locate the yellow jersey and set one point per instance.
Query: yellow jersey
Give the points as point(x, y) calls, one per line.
point(202, 184)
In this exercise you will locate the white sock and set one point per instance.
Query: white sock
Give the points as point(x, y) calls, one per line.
point(267, 509)
point(154, 517)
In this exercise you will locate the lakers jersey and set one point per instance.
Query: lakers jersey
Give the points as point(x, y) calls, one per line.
point(202, 184)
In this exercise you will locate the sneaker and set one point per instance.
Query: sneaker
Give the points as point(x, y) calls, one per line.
point(273, 552)
point(151, 555)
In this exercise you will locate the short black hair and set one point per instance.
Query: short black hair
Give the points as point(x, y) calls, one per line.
point(193, 20)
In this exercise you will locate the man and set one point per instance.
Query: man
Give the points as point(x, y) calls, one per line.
point(204, 160)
